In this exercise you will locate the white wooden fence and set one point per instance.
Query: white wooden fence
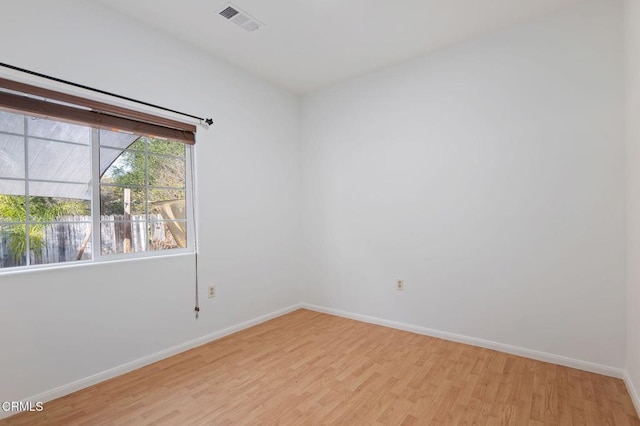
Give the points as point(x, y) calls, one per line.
point(63, 240)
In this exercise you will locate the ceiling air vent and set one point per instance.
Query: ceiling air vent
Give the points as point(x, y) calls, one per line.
point(240, 18)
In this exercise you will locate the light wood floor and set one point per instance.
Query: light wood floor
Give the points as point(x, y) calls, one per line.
point(311, 368)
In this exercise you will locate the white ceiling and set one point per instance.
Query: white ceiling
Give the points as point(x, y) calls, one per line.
point(308, 44)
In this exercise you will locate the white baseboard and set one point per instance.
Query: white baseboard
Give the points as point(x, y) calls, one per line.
point(502, 347)
point(633, 392)
point(150, 359)
point(515, 350)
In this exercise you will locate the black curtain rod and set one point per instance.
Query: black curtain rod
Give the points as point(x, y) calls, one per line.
point(209, 121)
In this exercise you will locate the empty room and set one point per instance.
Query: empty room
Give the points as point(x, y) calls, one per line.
point(324, 212)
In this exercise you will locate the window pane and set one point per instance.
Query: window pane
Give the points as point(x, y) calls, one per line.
point(127, 168)
point(11, 187)
point(65, 241)
point(157, 194)
point(112, 201)
point(12, 207)
point(166, 171)
point(140, 144)
point(57, 130)
point(53, 209)
point(59, 161)
point(167, 235)
point(76, 191)
point(119, 140)
point(13, 245)
point(11, 156)
point(159, 146)
point(169, 208)
point(123, 237)
point(11, 123)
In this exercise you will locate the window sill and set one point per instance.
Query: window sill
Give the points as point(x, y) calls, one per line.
point(113, 259)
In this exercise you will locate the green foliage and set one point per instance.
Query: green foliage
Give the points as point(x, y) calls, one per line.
point(41, 209)
point(12, 208)
point(165, 163)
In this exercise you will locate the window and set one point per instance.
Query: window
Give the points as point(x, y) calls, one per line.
point(72, 192)
point(142, 195)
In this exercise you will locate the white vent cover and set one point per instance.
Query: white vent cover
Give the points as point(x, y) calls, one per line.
point(240, 18)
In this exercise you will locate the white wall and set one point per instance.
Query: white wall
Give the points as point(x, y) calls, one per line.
point(490, 177)
point(632, 49)
point(62, 325)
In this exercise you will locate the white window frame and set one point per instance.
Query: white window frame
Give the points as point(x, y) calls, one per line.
point(96, 248)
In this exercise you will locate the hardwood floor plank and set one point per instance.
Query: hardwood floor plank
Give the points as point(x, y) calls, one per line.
point(307, 368)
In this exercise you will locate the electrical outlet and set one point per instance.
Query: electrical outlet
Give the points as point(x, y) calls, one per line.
point(399, 285)
point(212, 291)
